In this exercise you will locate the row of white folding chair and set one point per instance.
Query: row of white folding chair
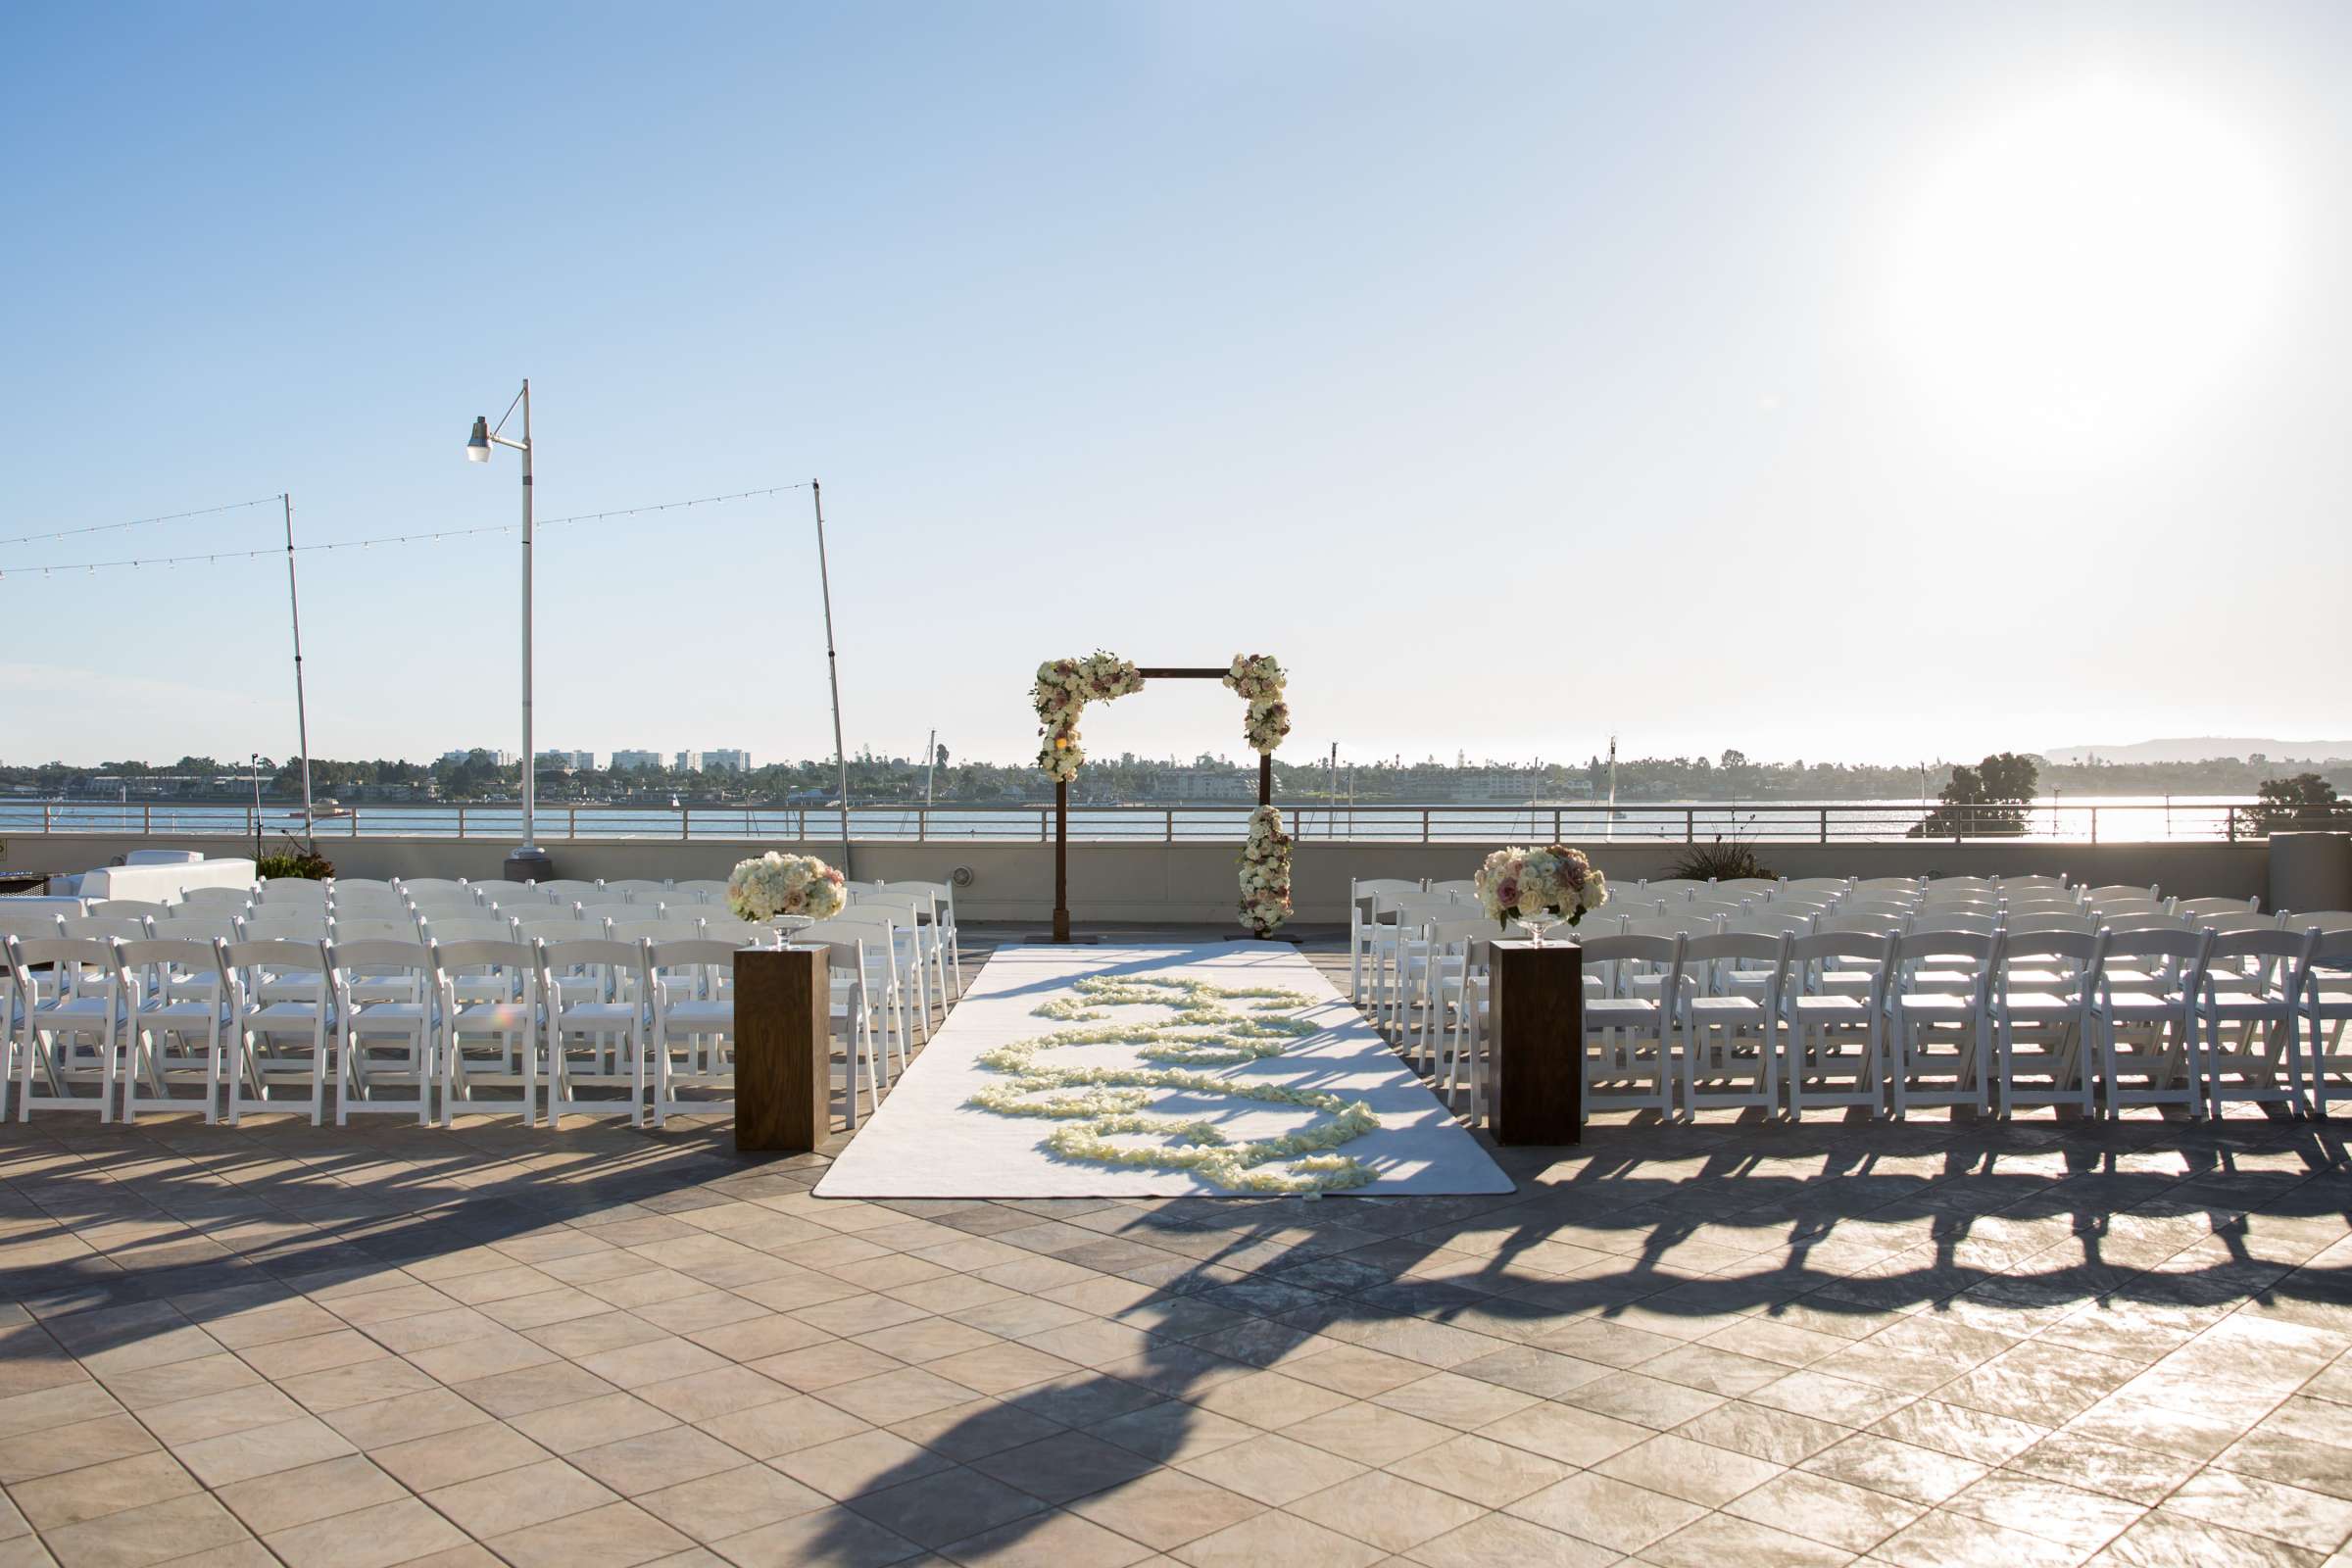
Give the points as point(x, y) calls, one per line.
point(916, 937)
point(943, 916)
point(2037, 1017)
point(127, 1034)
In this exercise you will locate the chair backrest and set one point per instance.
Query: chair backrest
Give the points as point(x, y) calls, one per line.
point(197, 924)
point(628, 886)
point(2118, 906)
point(554, 928)
point(291, 890)
point(2146, 923)
point(715, 891)
point(692, 954)
point(2081, 951)
point(2034, 880)
point(2122, 890)
point(1875, 909)
point(1932, 921)
point(1825, 945)
point(1765, 922)
point(103, 929)
point(677, 898)
point(492, 889)
point(2332, 949)
point(417, 887)
point(63, 954)
point(2320, 919)
point(1377, 886)
point(1609, 954)
point(1878, 922)
point(2026, 926)
point(371, 930)
point(378, 955)
point(599, 913)
point(2267, 943)
point(1886, 884)
point(517, 957)
point(1670, 888)
point(128, 908)
point(228, 898)
point(40, 921)
point(1915, 947)
point(1831, 885)
point(672, 927)
point(358, 886)
point(1708, 957)
point(2243, 920)
point(482, 926)
point(449, 900)
point(2174, 941)
point(571, 888)
point(165, 953)
point(1453, 932)
point(742, 933)
point(1667, 928)
point(2203, 907)
point(1465, 887)
point(625, 960)
point(1954, 884)
point(1726, 907)
point(268, 953)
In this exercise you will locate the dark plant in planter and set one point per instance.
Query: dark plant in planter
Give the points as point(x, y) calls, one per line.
point(295, 863)
point(1720, 862)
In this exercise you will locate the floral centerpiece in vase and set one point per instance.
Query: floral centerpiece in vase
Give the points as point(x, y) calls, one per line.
point(776, 885)
point(1265, 873)
point(1539, 887)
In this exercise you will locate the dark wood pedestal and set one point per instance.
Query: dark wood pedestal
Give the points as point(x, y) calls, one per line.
point(783, 1050)
point(1538, 1030)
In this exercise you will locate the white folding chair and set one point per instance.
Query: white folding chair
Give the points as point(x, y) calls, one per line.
point(68, 1029)
point(175, 1031)
point(693, 1039)
point(489, 1007)
point(2327, 1006)
point(2043, 992)
point(1627, 1046)
point(383, 1046)
point(595, 1027)
point(2247, 1065)
point(1940, 1019)
point(943, 913)
point(275, 1041)
point(2147, 1017)
point(1730, 1037)
point(1834, 1019)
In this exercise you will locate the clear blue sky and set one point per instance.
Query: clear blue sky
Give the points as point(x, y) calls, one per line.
point(1823, 381)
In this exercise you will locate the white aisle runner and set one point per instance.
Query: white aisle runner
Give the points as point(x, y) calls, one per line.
point(927, 1140)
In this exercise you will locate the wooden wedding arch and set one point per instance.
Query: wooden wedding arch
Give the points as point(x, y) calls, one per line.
point(1061, 798)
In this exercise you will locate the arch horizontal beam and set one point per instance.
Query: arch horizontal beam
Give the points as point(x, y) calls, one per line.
point(1175, 673)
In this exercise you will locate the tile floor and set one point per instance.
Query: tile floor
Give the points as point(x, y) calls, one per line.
point(1727, 1343)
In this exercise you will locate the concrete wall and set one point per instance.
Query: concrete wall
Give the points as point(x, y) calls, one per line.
point(1196, 882)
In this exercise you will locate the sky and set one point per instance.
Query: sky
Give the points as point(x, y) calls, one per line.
point(1835, 381)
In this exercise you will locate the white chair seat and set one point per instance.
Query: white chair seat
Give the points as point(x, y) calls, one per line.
point(1621, 1013)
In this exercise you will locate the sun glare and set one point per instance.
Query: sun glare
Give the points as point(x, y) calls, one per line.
point(2077, 273)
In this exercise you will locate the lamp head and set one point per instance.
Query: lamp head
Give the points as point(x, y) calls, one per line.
point(478, 445)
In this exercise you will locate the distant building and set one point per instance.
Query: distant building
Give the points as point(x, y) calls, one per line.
point(689, 763)
point(726, 759)
point(1498, 784)
point(570, 762)
point(1202, 784)
point(623, 762)
point(499, 757)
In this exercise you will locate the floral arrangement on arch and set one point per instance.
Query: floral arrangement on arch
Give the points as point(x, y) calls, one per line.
point(777, 884)
point(1265, 873)
point(1551, 880)
point(1061, 691)
point(1259, 682)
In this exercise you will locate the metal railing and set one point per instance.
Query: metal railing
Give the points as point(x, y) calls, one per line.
point(1573, 821)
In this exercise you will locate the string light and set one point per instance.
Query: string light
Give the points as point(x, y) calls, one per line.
point(139, 522)
point(214, 557)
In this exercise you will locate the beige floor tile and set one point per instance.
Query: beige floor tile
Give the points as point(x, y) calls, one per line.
point(32, 1455)
point(653, 1460)
point(1612, 1513)
point(289, 1497)
point(851, 1466)
point(1273, 1537)
point(1693, 1471)
point(389, 1532)
point(588, 1423)
point(1481, 1470)
point(1815, 1507)
point(616, 1536)
point(213, 1415)
point(1498, 1539)
point(385, 1422)
point(446, 1458)
point(510, 1499)
point(832, 1538)
point(102, 1489)
point(182, 1380)
point(654, 1361)
point(281, 1359)
point(785, 1426)
point(1369, 1433)
point(1387, 1510)
point(822, 1366)
point(153, 1532)
point(263, 1451)
point(1166, 1508)
point(1272, 1469)
point(1046, 1541)
point(706, 1395)
point(731, 1502)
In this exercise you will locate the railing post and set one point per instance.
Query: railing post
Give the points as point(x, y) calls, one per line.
point(1689, 825)
point(147, 818)
point(1171, 824)
point(1825, 824)
point(2094, 824)
point(1424, 825)
point(685, 821)
point(2233, 824)
point(571, 822)
point(1555, 824)
point(460, 820)
point(46, 818)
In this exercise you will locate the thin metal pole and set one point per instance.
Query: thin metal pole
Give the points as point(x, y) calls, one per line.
point(302, 721)
point(930, 768)
point(841, 755)
point(530, 782)
point(254, 767)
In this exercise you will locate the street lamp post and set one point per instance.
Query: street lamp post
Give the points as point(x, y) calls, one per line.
point(529, 862)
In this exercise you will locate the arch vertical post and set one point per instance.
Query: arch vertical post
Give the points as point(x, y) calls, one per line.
point(1061, 861)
